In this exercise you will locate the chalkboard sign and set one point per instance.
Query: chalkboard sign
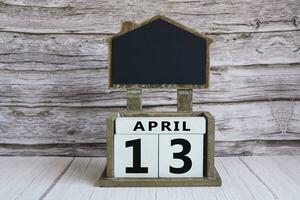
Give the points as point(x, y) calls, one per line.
point(159, 53)
point(159, 148)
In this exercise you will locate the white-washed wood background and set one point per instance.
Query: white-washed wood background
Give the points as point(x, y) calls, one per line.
point(54, 96)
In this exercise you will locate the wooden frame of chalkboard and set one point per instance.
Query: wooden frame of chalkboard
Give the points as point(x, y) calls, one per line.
point(210, 178)
point(131, 26)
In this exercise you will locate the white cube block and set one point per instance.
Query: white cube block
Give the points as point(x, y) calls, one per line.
point(181, 155)
point(136, 156)
point(160, 125)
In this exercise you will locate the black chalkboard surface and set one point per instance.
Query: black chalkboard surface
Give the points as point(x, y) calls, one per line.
point(158, 54)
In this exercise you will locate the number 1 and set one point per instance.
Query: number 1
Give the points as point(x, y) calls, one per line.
point(136, 146)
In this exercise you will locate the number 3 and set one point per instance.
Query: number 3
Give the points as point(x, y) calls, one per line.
point(186, 148)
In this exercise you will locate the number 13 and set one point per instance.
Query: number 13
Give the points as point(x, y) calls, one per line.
point(136, 166)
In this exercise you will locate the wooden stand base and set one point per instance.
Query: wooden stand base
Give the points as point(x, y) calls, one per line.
point(158, 182)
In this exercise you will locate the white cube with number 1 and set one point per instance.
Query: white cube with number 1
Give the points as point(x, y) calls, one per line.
point(136, 156)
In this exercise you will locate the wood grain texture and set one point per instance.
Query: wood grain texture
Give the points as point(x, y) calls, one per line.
point(53, 73)
point(250, 178)
point(79, 180)
point(89, 87)
point(78, 16)
point(274, 120)
point(28, 178)
point(241, 180)
point(54, 52)
point(237, 121)
point(277, 178)
point(61, 149)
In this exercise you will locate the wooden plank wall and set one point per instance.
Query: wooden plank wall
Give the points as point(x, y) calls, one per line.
point(54, 96)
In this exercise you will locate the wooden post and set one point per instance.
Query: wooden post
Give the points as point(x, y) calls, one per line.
point(134, 99)
point(185, 100)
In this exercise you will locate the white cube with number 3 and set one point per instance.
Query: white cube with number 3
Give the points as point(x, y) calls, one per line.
point(136, 156)
point(181, 155)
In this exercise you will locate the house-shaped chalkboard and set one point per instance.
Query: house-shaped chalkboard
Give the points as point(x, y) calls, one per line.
point(159, 53)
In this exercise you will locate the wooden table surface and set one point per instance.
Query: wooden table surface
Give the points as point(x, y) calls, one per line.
point(273, 177)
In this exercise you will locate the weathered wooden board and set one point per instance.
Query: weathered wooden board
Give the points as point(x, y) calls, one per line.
point(28, 178)
point(56, 149)
point(242, 125)
point(239, 182)
point(86, 171)
point(234, 122)
point(258, 178)
point(85, 88)
point(288, 165)
point(79, 16)
point(274, 176)
point(52, 52)
point(59, 125)
point(65, 52)
point(257, 147)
